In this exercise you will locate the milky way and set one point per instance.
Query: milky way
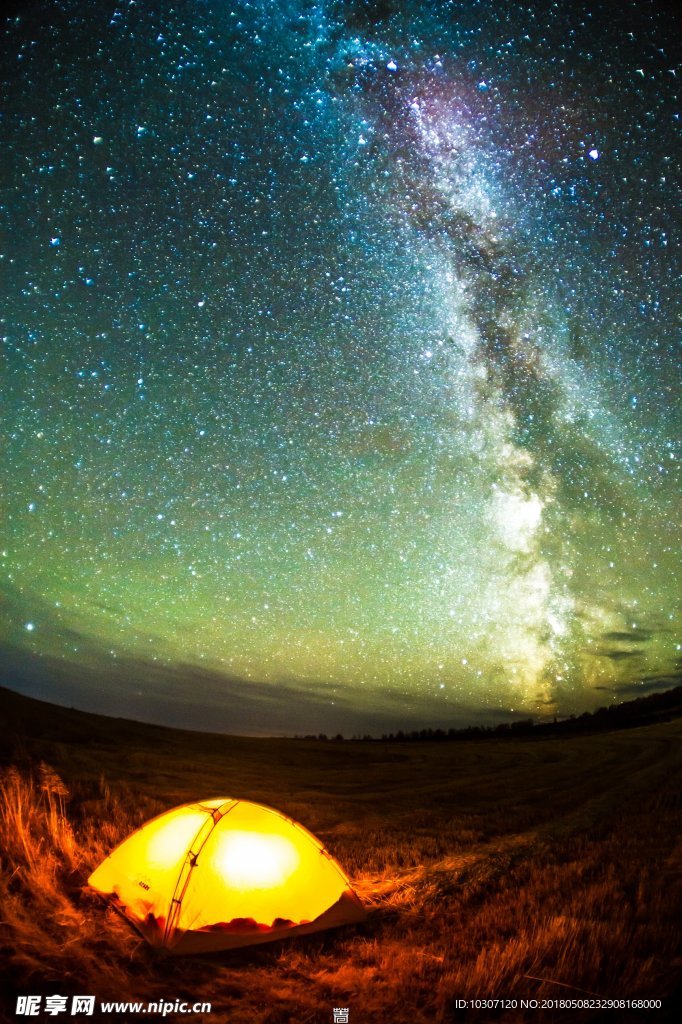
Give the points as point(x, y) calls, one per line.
point(340, 359)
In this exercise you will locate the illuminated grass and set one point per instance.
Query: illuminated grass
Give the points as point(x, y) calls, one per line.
point(514, 868)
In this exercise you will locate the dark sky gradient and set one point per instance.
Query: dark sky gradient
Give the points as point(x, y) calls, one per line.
point(341, 359)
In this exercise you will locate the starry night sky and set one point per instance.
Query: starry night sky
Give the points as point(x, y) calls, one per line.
point(340, 359)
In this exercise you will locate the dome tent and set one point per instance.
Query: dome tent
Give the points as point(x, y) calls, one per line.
point(224, 873)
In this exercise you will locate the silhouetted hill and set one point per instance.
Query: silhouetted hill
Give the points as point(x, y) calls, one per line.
point(40, 720)
point(655, 707)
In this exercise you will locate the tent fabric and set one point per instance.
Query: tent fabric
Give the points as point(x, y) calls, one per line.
point(224, 873)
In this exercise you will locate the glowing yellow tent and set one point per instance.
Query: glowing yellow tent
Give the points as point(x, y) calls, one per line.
point(224, 873)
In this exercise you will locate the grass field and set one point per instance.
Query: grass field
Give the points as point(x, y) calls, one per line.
point(516, 869)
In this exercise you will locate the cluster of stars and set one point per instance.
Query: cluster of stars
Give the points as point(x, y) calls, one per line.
point(339, 351)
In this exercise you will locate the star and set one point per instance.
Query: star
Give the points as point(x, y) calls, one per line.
point(341, 357)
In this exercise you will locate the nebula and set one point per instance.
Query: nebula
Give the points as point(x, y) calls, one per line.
point(341, 361)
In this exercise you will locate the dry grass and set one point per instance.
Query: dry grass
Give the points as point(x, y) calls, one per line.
point(52, 936)
point(517, 869)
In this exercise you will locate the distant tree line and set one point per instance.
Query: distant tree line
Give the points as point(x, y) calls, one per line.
point(656, 707)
